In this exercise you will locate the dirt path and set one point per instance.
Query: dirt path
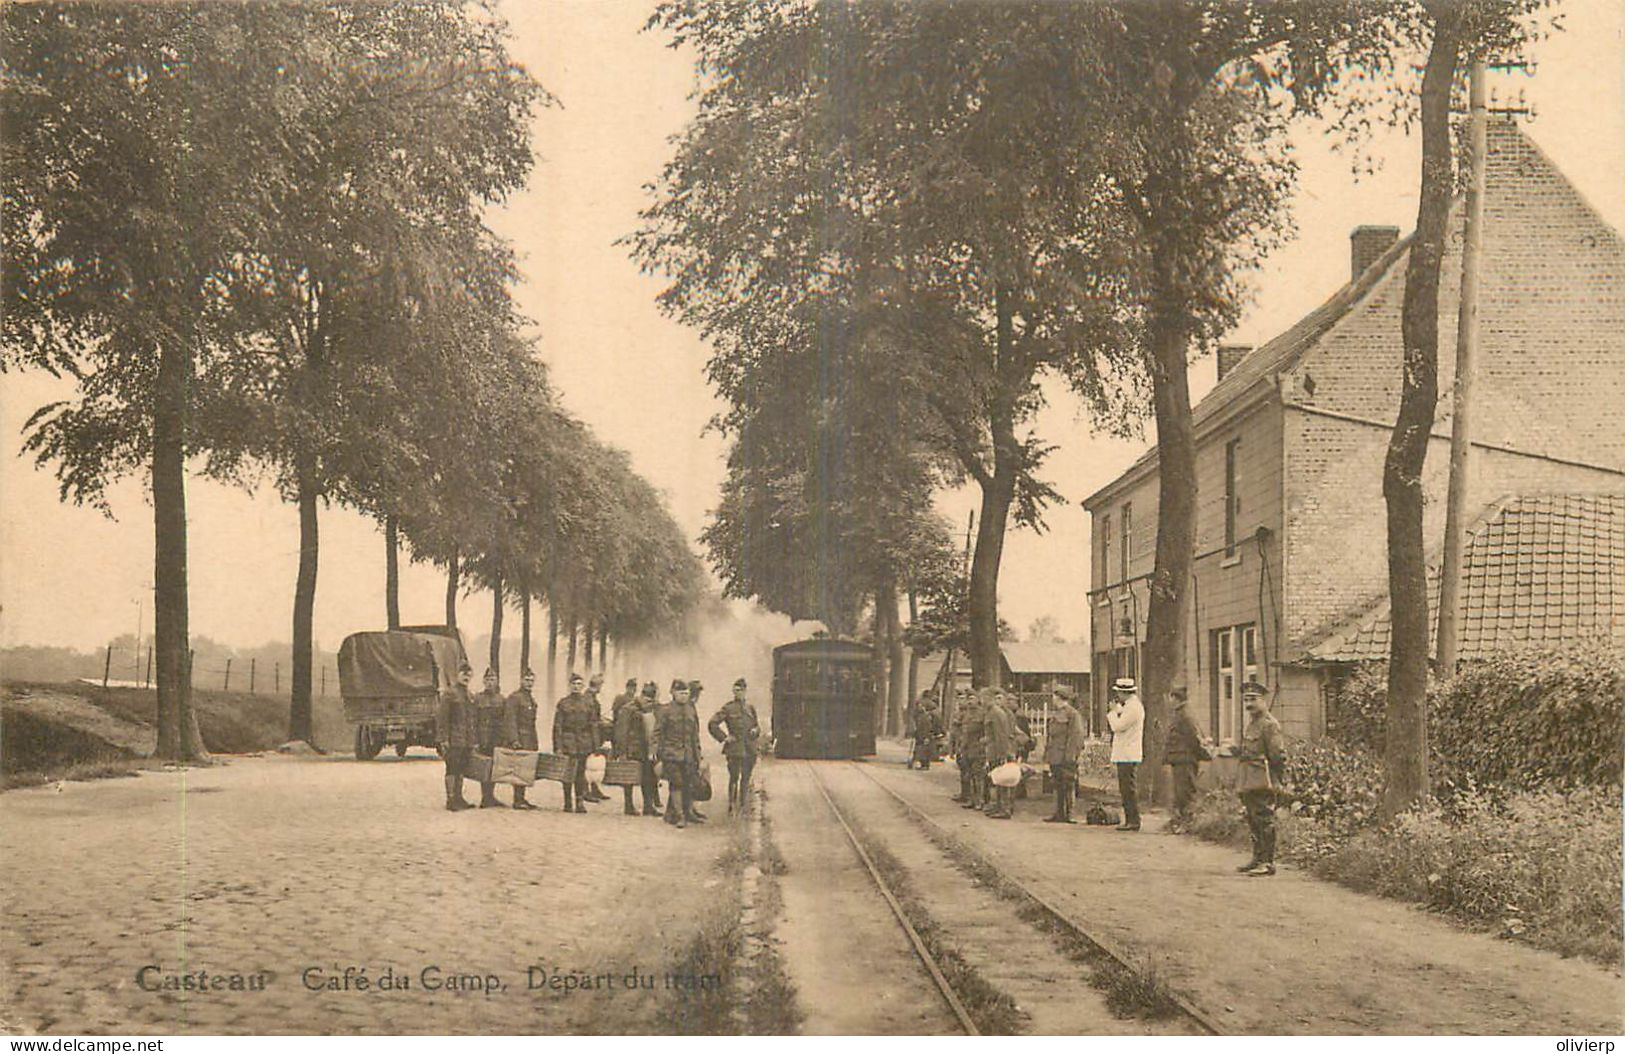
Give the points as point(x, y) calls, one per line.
point(853, 969)
point(1291, 954)
point(270, 867)
point(1051, 990)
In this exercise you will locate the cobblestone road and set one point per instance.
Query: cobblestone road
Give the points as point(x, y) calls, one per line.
point(269, 867)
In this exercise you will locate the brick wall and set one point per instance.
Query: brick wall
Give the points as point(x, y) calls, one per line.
point(1337, 556)
point(1551, 380)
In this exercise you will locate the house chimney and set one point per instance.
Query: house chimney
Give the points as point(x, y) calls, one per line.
point(1368, 243)
point(1229, 355)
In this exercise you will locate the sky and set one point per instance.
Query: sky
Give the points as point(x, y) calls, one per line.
point(70, 576)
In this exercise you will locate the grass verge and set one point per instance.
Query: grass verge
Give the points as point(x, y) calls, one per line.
point(770, 1004)
point(1541, 867)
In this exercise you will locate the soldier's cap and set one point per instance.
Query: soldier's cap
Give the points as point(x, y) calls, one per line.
point(490, 672)
point(575, 678)
point(596, 679)
point(465, 668)
point(1123, 684)
point(1253, 687)
point(695, 685)
point(650, 689)
point(631, 682)
point(1065, 691)
point(1178, 696)
point(528, 673)
point(739, 683)
point(679, 685)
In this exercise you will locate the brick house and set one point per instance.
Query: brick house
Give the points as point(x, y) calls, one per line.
point(1290, 537)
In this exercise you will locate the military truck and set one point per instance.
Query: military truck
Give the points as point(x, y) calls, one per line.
point(390, 681)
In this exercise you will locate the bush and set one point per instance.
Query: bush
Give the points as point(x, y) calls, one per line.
point(1542, 866)
point(1519, 720)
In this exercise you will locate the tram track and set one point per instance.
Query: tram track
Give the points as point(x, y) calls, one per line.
point(977, 863)
point(921, 950)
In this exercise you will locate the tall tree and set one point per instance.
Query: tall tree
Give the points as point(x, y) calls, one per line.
point(926, 167)
point(1456, 31)
point(134, 179)
point(420, 120)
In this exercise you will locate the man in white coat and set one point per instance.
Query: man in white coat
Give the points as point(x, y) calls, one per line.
point(1126, 717)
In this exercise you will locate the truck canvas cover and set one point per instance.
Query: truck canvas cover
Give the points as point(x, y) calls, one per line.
point(391, 664)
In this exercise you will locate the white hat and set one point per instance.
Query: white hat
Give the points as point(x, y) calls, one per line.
point(1123, 684)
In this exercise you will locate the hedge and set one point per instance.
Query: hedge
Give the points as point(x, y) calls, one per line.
point(1522, 719)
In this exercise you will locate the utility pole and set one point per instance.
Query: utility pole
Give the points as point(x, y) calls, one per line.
point(1455, 526)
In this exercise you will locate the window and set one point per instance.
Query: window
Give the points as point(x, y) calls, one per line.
point(1232, 499)
point(1235, 662)
point(1106, 549)
point(1128, 537)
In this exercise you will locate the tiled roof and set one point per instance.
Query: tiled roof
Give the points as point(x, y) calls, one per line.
point(1046, 658)
point(1538, 569)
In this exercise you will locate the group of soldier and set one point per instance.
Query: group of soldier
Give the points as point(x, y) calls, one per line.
point(663, 739)
point(988, 732)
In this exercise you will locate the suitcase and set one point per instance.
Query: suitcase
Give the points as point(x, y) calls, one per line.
point(554, 767)
point(479, 768)
point(623, 772)
point(516, 768)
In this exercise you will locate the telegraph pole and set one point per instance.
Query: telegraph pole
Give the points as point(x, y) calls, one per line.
point(1455, 527)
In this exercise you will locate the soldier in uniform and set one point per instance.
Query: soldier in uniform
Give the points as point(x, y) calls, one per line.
point(1063, 742)
point(740, 743)
point(1002, 742)
point(454, 733)
point(489, 707)
point(573, 738)
point(956, 741)
point(619, 703)
point(677, 742)
point(972, 747)
point(601, 730)
point(927, 728)
point(519, 719)
point(1263, 756)
point(634, 743)
point(648, 711)
point(1184, 751)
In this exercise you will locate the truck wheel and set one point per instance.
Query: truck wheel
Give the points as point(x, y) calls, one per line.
point(400, 750)
point(366, 747)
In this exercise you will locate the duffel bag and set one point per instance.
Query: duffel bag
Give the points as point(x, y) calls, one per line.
point(701, 791)
point(517, 768)
point(622, 772)
point(1006, 775)
point(595, 768)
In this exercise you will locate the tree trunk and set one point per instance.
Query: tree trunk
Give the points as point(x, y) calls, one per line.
point(552, 650)
point(524, 628)
point(496, 625)
point(178, 738)
point(603, 648)
point(913, 653)
point(570, 655)
point(898, 699)
point(1164, 656)
point(392, 573)
point(998, 493)
point(589, 642)
point(1406, 750)
point(304, 602)
point(453, 574)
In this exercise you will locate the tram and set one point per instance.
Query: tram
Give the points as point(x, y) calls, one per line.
point(823, 699)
